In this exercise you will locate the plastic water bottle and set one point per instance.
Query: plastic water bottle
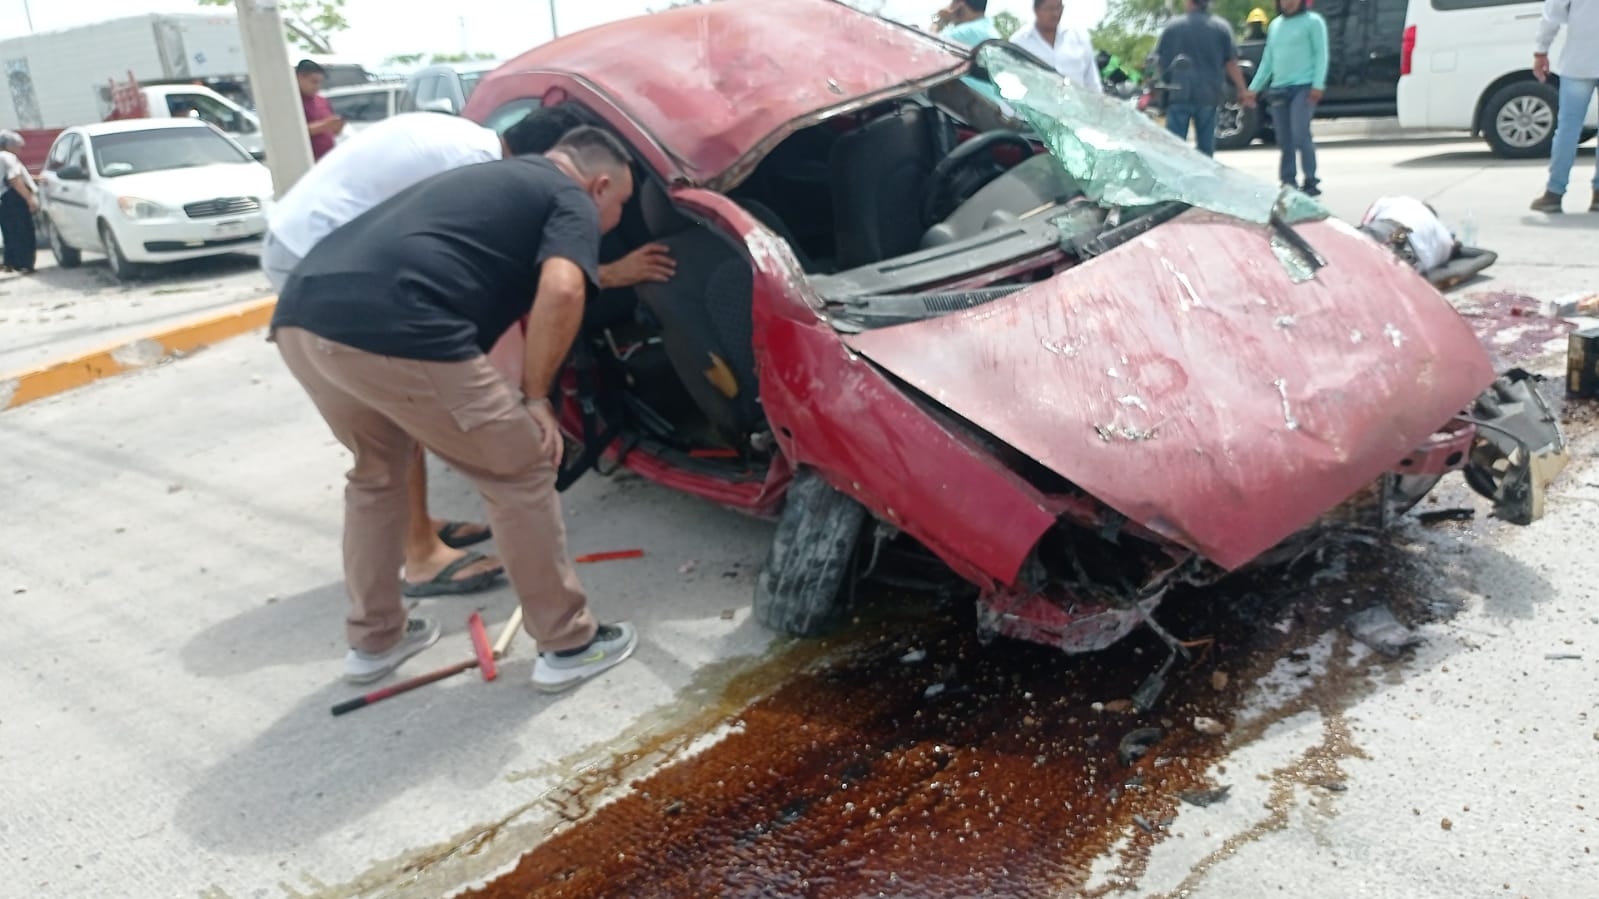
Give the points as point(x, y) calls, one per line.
point(1468, 230)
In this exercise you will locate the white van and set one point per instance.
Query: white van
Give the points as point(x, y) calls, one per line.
point(201, 102)
point(1466, 65)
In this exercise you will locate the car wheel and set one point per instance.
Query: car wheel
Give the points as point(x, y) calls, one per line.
point(67, 256)
point(798, 590)
point(120, 266)
point(1519, 120)
point(1237, 126)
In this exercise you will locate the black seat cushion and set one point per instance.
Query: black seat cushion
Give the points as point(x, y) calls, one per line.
point(707, 328)
point(880, 174)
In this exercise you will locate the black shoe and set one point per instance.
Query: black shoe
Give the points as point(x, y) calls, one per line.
point(1312, 188)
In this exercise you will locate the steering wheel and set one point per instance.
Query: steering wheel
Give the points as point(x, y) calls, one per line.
point(964, 172)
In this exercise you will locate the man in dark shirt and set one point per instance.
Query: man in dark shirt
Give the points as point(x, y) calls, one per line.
point(386, 322)
point(1195, 51)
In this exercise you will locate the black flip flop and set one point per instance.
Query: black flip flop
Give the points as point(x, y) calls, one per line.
point(451, 528)
point(445, 583)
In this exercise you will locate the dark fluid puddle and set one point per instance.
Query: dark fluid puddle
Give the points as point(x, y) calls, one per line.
point(926, 764)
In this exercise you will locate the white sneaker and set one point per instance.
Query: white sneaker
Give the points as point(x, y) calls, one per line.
point(366, 667)
point(557, 672)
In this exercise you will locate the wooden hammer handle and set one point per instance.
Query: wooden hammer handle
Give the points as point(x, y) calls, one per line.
point(509, 634)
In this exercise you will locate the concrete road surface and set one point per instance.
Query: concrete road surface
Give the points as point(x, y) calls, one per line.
point(172, 605)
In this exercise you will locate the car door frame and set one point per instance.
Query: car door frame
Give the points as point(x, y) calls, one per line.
point(71, 204)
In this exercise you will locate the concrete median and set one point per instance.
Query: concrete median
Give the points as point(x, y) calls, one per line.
point(169, 342)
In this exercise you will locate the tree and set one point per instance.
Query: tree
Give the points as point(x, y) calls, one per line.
point(1007, 23)
point(309, 24)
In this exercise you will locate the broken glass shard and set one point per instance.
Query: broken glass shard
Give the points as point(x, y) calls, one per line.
point(1121, 157)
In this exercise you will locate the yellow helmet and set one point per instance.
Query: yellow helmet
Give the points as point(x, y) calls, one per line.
point(1257, 15)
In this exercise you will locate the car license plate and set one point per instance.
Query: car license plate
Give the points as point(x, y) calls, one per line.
point(229, 229)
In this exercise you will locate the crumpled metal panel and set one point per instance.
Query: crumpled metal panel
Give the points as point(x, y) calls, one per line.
point(1121, 157)
point(712, 81)
point(1186, 381)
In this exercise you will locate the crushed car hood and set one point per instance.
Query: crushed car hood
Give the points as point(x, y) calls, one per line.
point(1187, 381)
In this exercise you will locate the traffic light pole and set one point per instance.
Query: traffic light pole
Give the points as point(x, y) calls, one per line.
point(277, 96)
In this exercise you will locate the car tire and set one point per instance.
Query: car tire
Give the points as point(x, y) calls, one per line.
point(124, 270)
point(799, 589)
point(67, 255)
point(1237, 126)
point(1519, 120)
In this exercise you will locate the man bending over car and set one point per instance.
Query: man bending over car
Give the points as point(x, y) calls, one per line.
point(385, 323)
point(370, 167)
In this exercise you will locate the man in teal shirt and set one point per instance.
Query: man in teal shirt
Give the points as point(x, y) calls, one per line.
point(966, 22)
point(1294, 67)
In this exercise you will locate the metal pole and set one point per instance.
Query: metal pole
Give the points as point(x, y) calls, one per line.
point(29, 13)
point(277, 96)
point(554, 31)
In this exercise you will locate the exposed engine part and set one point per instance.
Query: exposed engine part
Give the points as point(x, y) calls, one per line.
point(1520, 448)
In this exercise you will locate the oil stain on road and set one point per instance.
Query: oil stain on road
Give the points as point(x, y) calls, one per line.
point(924, 763)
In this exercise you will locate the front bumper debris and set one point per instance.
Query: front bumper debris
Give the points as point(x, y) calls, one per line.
point(1519, 450)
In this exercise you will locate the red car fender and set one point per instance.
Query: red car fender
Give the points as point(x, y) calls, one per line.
point(834, 411)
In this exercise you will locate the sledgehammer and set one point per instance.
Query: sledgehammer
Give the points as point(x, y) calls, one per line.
point(483, 657)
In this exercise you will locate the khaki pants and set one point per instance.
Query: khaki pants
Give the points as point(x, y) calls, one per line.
point(380, 407)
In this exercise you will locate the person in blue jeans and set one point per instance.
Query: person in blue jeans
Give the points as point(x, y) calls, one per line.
point(1294, 67)
point(1579, 79)
point(1194, 54)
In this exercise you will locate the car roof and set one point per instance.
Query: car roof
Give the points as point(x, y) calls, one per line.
point(718, 82)
point(154, 123)
point(470, 67)
point(375, 87)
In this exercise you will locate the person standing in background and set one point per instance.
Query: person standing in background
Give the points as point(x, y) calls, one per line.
point(1255, 25)
point(19, 200)
point(1579, 79)
point(320, 121)
point(1069, 49)
point(1195, 87)
point(1294, 66)
point(966, 22)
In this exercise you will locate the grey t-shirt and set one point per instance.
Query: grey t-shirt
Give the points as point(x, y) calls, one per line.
point(1207, 43)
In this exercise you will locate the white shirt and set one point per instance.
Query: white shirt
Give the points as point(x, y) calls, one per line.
point(1073, 53)
point(1580, 58)
point(1429, 239)
point(382, 160)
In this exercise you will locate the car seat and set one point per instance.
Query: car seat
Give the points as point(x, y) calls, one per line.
point(880, 173)
point(705, 315)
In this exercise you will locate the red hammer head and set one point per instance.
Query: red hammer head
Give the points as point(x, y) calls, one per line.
point(480, 645)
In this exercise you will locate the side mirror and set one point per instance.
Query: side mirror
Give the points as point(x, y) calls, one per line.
point(438, 104)
point(72, 173)
point(259, 155)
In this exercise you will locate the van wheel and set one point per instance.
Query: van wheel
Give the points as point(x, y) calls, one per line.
point(1519, 120)
point(799, 589)
point(1237, 126)
point(67, 256)
point(124, 270)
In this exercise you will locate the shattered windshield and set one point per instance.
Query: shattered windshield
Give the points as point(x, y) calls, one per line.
point(1121, 157)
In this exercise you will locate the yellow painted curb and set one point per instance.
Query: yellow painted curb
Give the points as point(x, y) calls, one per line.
point(70, 374)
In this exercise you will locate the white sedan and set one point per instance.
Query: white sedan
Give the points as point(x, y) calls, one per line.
point(145, 191)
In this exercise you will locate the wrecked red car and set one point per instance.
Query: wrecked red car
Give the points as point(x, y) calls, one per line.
point(931, 295)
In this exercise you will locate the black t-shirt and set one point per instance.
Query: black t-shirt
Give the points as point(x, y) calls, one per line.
point(1208, 43)
point(440, 270)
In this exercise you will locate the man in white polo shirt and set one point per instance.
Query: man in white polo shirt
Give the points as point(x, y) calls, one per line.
point(364, 171)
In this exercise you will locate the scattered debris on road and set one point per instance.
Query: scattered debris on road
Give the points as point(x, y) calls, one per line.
point(1137, 743)
point(1443, 515)
point(1210, 727)
point(1206, 798)
point(1379, 629)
